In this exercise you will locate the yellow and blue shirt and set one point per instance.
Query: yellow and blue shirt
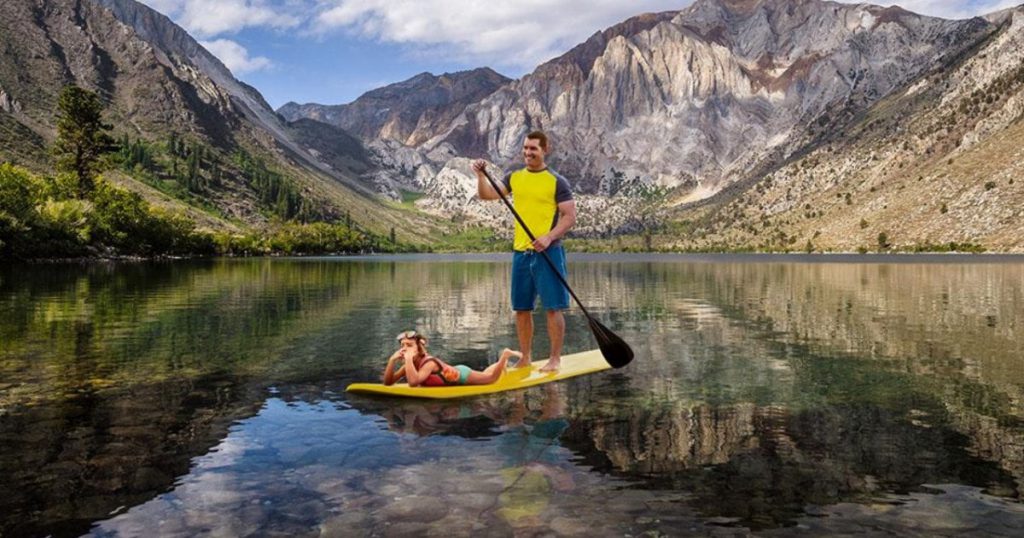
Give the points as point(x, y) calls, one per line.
point(536, 196)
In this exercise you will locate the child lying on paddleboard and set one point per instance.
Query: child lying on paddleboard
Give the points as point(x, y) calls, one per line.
point(421, 369)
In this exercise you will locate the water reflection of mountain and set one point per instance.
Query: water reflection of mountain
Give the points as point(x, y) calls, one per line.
point(951, 331)
point(756, 387)
point(954, 328)
point(763, 466)
point(114, 377)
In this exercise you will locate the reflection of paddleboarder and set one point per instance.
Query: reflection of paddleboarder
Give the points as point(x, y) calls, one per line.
point(535, 461)
point(432, 417)
point(544, 201)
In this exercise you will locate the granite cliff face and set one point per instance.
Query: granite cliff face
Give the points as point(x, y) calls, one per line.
point(698, 98)
point(936, 164)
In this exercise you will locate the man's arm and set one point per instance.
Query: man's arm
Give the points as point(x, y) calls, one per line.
point(566, 218)
point(483, 186)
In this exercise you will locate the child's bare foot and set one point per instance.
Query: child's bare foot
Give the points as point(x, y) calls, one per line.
point(524, 359)
point(552, 365)
point(503, 359)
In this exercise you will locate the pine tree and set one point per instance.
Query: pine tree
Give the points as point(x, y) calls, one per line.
point(82, 137)
point(193, 180)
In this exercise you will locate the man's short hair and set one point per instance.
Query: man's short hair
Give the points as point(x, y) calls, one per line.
point(540, 137)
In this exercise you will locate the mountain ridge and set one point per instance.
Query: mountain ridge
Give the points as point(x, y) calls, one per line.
point(404, 111)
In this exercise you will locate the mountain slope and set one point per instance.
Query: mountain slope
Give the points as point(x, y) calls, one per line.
point(159, 83)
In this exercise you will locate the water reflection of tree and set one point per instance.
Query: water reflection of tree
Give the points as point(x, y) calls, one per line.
point(70, 464)
point(115, 376)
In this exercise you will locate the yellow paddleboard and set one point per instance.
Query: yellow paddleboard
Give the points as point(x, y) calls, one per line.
point(573, 365)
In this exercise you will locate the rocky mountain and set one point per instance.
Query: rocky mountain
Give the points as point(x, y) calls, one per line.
point(672, 107)
point(667, 120)
point(696, 99)
point(936, 165)
point(156, 80)
point(408, 112)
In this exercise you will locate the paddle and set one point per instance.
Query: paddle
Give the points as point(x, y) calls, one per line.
point(614, 349)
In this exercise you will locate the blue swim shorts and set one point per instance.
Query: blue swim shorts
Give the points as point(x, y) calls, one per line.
point(463, 374)
point(533, 277)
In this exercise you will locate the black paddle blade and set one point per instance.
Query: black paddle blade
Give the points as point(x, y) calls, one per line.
point(614, 349)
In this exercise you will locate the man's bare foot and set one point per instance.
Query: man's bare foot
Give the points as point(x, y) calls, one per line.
point(552, 365)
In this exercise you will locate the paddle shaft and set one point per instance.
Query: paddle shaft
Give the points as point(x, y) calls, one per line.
point(532, 238)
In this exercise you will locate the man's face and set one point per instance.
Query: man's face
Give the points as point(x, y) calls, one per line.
point(533, 154)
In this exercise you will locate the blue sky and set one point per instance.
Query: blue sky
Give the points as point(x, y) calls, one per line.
point(332, 51)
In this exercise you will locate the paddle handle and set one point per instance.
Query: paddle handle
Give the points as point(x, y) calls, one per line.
point(529, 234)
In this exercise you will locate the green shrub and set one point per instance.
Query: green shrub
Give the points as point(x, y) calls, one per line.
point(66, 218)
point(125, 221)
point(63, 186)
point(299, 239)
point(20, 192)
point(883, 241)
point(119, 217)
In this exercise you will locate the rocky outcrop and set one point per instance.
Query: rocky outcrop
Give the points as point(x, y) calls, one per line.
point(7, 104)
point(452, 193)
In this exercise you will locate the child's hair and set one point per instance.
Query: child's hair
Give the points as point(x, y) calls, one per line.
point(421, 341)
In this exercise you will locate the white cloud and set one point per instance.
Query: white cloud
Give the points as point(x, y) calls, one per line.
point(167, 7)
point(236, 57)
point(524, 33)
point(521, 33)
point(211, 18)
point(514, 34)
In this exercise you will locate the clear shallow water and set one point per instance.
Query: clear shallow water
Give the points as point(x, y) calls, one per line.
point(773, 395)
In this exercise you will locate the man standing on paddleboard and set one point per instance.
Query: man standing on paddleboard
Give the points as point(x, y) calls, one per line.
point(544, 200)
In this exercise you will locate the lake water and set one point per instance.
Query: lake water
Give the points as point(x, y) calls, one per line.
point(769, 395)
